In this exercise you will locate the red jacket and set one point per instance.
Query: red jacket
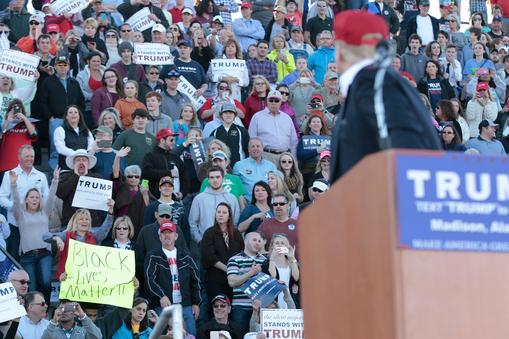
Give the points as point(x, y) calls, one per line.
point(253, 104)
point(62, 256)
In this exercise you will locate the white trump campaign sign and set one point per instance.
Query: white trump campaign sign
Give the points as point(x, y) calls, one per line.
point(92, 193)
point(18, 64)
point(152, 54)
point(9, 304)
point(140, 20)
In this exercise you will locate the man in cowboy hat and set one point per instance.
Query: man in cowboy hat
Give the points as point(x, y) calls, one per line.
point(356, 132)
point(80, 163)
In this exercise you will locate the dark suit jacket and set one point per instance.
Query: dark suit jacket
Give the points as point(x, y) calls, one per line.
point(356, 133)
point(412, 27)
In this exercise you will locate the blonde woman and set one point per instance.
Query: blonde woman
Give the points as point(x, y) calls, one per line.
point(283, 265)
point(280, 54)
point(287, 164)
point(276, 181)
point(80, 229)
point(109, 118)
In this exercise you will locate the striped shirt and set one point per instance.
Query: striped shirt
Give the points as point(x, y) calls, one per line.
point(238, 265)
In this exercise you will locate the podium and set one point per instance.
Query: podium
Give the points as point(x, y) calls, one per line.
point(360, 282)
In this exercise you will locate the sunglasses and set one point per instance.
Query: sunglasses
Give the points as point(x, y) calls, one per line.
point(274, 100)
point(34, 23)
point(287, 161)
point(133, 176)
point(325, 160)
point(23, 281)
point(42, 304)
point(122, 228)
point(220, 306)
point(167, 216)
point(284, 93)
point(451, 20)
point(223, 88)
point(111, 36)
point(317, 190)
point(5, 32)
point(174, 29)
point(259, 83)
point(278, 203)
point(125, 30)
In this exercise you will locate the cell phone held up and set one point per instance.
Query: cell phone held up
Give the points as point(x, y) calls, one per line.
point(104, 143)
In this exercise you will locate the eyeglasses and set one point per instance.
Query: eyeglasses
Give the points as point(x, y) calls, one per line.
point(111, 36)
point(223, 88)
point(110, 77)
point(447, 132)
point(287, 161)
point(42, 304)
point(5, 32)
point(133, 176)
point(122, 228)
point(259, 83)
point(284, 93)
point(274, 100)
point(321, 6)
point(55, 33)
point(174, 29)
point(23, 281)
point(34, 23)
point(220, 306)
point(279, 203)
point(325, 160)
point(451, 20)
point(125, 30)
point(477, 19)
point(153, 73)
point(166, 216)
point(172, 140)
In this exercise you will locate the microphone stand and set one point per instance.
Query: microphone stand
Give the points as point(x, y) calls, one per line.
point(384, 61)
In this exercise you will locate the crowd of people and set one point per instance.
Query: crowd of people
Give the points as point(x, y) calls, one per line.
point(200, 227)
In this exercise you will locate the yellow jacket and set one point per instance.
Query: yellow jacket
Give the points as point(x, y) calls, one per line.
point(283, 69)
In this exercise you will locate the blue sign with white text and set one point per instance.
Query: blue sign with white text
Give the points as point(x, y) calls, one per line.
point(453, 202)
point(262, 287)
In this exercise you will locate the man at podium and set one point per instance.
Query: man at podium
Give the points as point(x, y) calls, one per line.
point(401, 114)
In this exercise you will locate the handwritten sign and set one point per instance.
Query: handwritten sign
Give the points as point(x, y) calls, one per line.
point(311, 142)
point(18, 64)
point(62, 7)
point(92, 193)
point(282, 323)
point(98, 274)
point(187, 89)
point(227, 67)
point(140, 20)
point(262, 287)
point(152, 54)
point(9, 304)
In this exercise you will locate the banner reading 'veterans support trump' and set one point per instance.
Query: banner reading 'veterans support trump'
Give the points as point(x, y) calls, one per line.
point(453, 201)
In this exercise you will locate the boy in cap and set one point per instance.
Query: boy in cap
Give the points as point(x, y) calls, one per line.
point(408, 122)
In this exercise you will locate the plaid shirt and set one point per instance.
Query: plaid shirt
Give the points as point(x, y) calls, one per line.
point(266, 67)
point(232, 8)
point(478, 6)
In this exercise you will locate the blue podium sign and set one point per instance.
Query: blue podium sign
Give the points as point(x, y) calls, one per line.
point(453, 202)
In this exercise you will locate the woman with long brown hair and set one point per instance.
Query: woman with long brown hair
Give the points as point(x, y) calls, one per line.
point(220, 242)
point(108, 94)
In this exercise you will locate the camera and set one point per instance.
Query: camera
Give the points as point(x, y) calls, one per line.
point(17, 109)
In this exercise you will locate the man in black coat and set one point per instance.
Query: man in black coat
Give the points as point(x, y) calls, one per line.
point(356, 130)
point(161, 161)
point(128, 9)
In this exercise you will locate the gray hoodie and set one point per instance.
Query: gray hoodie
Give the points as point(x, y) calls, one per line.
point(156, 123)
point(414, 64)
point(203, 211)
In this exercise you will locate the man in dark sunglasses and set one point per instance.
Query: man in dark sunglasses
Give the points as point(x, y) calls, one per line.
point(20, 281)
point(221, 307)
point(274, 128)
point(281, 223)
point(33, 324)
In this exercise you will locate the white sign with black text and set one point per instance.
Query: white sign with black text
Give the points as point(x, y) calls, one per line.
point(92, 193)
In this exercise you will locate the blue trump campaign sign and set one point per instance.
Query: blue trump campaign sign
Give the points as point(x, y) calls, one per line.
point(453, 202)
point(262, 287)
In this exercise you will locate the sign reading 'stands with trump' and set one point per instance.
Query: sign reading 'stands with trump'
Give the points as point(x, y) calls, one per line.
point(453, 202)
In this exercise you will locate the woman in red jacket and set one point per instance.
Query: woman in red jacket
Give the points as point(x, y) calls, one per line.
point(256, 101)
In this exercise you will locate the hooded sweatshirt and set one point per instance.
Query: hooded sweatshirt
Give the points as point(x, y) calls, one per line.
point(203, 210)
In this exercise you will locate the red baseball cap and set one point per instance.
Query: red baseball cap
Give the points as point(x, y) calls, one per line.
point(482, 86)
point(316, 96)
point(52, 28)
point(357, 28)
point(246, 5)
point(164, 133)
point(168, 226)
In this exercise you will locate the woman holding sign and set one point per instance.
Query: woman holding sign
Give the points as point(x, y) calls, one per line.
point(240, 78)
point(80, 229)
point(32, 216)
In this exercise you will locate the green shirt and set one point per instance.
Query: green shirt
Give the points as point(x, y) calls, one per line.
point(231, 184)
point(140, 145)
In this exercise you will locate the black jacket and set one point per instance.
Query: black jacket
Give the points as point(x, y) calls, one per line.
point(157, 164)
point(159, 282)
point(412, 27)
point(388, 13)
point(355, 133)
point(55, 98)
point(447, 92)
point(127, 10)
